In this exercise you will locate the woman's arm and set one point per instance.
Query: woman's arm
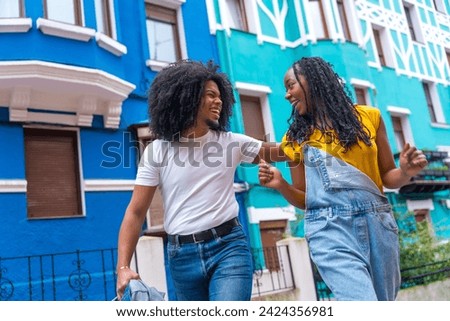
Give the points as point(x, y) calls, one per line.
point(411, 160)
point(271, 152)
point(271, 177)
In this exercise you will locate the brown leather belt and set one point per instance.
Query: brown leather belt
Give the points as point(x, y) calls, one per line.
point(221, 230)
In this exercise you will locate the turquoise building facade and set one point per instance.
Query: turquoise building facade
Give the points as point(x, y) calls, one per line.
point(392, 54)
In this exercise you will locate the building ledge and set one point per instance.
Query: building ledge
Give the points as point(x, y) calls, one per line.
point(38, 91)
point(425, 186)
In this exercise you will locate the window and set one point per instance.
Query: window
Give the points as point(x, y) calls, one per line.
point(344, 19)
point(53, 173)
point(271, 233)
point(11, 8)
point(319, 21)
point(253, 117)
point(448, 59)
point(377, 38)
point(439, 5)
point(398, 132)
point(361, 96)
point(426, 89)
point(68, 11)
point(155, 213)
point(162, 33)
point(432, 101)
point(413, 22)
point(103, 15)
point(237, 14)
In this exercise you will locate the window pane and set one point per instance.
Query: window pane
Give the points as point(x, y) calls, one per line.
point(61, 10)
point(237, 15)
point(253, 117)
point(9, 9)
point(431, 110)
point(319, 21)
point(161, 41)
point(102, 14)
point(344, 21)
point(398, 132)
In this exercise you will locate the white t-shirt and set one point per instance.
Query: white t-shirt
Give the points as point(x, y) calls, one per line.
point(196, 178)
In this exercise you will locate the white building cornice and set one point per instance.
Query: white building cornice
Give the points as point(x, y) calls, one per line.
point(38, 91)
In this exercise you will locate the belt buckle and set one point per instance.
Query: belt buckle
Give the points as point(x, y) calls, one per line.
point(195, 240)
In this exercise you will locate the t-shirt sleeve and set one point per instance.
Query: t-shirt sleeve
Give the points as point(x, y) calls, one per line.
point(249, 147)
point(371, 117)
point(291, 149)
point(149, 166)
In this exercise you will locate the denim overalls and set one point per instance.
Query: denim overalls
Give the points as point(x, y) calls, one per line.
point(351, 232)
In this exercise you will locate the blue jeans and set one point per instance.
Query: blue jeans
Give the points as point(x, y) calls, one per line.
point(220, 269)
point(350, 229)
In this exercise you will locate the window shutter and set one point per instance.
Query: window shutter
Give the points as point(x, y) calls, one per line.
point(52, 172)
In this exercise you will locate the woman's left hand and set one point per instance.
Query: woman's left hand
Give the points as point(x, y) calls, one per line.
point(412, 160)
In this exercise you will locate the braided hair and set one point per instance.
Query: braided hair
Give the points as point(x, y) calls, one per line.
point(175, 97)
point(329, 106)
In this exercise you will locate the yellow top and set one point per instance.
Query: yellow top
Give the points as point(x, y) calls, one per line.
point(361, 156)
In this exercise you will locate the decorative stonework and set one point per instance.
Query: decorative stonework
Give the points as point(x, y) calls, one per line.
point(61, 94)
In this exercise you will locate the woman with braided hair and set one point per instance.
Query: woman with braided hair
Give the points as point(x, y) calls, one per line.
point(193, 160)
point(340, 161)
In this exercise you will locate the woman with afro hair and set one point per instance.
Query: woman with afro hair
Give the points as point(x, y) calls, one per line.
point(193, 161)
point(341, 159)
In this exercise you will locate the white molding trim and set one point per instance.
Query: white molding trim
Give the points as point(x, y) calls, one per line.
point(108, 185)
point(110, 44)
point(64, 30)
point(361, 83)
point(420, 204)
point(13, 186)
point(399, 111)
point(173, 4)
point(252, 89)
point(15, 24)
point(256, 215)
point(61, 94)
point(156, 65)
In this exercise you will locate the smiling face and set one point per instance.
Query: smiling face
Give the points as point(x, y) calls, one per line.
point(296, 93)
point(210, 106)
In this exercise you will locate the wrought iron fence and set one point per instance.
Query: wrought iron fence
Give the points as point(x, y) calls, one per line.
point(80, 275)
point(412, 276)
point(425, 274)
point(272, 270)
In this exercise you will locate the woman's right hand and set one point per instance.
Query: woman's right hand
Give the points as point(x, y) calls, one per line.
point(269, 176)
point(124, 275)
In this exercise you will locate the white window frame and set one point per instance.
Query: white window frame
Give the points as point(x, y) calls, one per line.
point(386, 47)
point(440, 6)
point(156, 65)
point(261, 92)
point(17, 23)
point(80, 168)
point(19, 7)
point(415, 20)
point(104, 41)
point(365, 85)
point(403, 114)
point(437, 107)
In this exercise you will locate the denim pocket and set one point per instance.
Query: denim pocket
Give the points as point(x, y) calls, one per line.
point(315, 223)
point(387, 220)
